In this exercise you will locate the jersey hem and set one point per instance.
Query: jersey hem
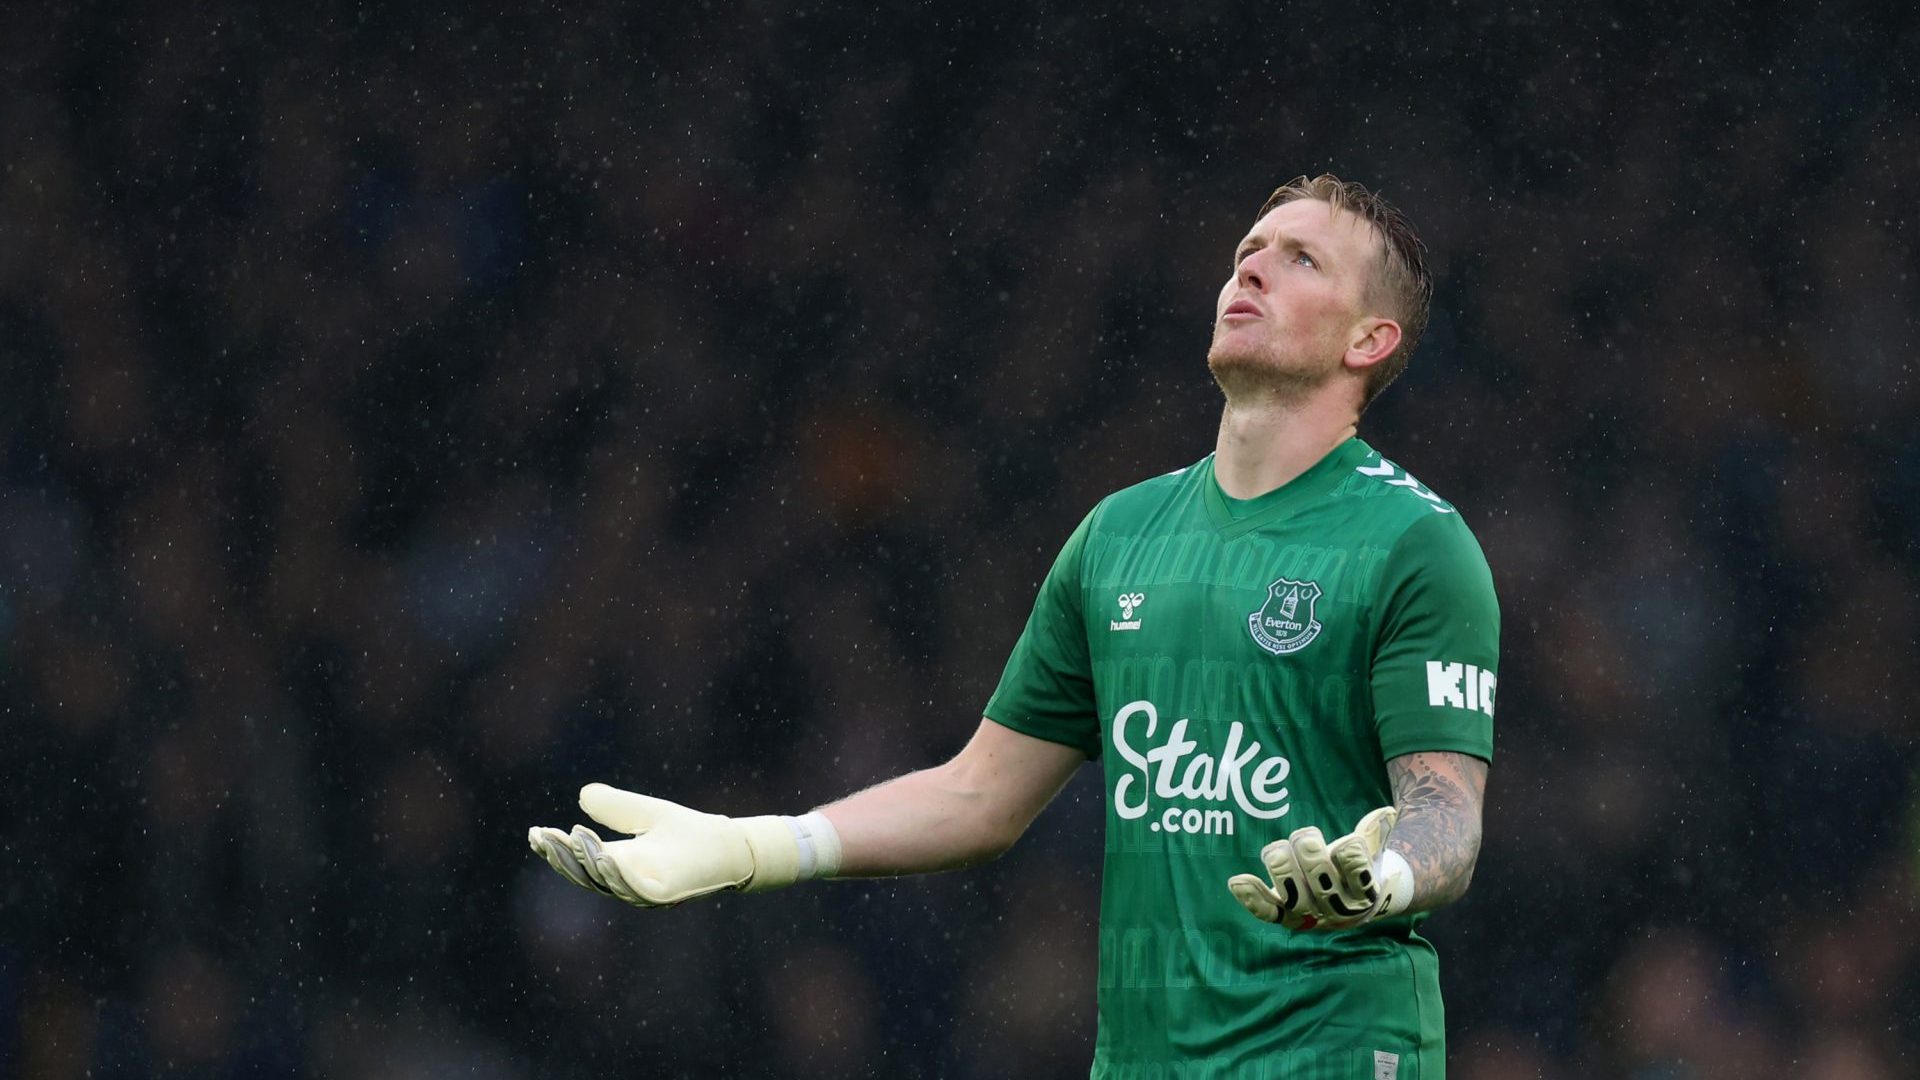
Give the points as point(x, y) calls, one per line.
point(1439, 746)
point(1093, 753)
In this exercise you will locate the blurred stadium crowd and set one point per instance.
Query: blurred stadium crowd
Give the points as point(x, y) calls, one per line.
point(414, 417)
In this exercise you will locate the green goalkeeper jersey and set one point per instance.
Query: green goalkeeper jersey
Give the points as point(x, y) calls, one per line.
point(1245, 668)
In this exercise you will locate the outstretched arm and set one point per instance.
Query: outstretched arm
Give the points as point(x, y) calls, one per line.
point(953, 815)
point(1439, 796)
point(962, 813)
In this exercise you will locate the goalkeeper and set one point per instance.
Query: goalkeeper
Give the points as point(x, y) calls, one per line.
point(1284, 657)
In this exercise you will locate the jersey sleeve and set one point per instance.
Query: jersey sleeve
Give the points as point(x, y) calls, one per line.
point(1436, 647)
point(1047, 688)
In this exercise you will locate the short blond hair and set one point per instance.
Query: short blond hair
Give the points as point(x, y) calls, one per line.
point(1401, 283)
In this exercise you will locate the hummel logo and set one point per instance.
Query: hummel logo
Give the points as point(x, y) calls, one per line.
point(1126, 621)
point(1387, 471)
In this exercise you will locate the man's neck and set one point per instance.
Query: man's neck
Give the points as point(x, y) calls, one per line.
point(1263, 446)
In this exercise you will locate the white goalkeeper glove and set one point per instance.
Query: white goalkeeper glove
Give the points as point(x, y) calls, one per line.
point(677, 854)
point(1321, 886)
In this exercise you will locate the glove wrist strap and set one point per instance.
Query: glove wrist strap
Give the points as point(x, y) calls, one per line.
point(819, 845)
point(1396, 880)
point(790, 849)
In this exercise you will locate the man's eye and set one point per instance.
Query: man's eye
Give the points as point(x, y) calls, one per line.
point(1306, 259)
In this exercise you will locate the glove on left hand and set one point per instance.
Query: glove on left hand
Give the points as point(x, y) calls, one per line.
point(1317, 886)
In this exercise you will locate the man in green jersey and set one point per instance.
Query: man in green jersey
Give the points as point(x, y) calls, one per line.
point(1284, 655)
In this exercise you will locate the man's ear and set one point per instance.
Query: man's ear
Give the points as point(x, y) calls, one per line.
point(1373, 340)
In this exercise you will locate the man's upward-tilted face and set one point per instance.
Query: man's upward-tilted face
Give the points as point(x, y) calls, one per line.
point(1296, 311)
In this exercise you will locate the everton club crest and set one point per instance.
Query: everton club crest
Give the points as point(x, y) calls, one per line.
point(1285, 623)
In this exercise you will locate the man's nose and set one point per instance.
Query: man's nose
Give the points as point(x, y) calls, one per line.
point(1249, 274)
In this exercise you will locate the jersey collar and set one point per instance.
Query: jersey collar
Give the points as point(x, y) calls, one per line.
point(1235, 517)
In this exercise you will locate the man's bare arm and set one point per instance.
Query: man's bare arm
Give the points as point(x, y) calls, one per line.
point(962, 813)
point(1439, 796)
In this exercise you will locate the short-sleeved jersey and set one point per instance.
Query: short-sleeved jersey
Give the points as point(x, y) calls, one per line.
point(1245, 668)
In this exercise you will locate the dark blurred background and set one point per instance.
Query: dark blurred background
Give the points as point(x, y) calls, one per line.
point(412, 415)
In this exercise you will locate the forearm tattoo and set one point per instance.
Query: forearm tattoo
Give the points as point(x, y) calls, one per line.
point(1439, 797)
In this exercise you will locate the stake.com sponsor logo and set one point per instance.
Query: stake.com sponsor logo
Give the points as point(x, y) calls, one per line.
point(1172, 770)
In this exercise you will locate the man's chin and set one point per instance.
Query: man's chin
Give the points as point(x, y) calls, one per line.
point(1250, 376)
point(1234, 368)
point(1222, 360)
